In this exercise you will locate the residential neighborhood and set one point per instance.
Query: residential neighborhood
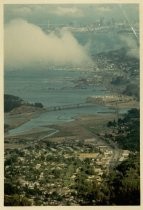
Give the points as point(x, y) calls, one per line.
point(51, 168)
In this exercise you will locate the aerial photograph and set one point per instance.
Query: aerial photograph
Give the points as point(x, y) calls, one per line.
point(71, 105)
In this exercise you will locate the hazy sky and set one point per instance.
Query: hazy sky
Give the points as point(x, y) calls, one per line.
point(80, 13)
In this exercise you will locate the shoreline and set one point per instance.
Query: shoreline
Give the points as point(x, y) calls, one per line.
point(82, 127)
point(22, 115)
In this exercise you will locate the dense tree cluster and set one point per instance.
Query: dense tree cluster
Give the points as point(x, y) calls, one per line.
point(40, 105)
point(124, 182)
point(16, 200)
point(11, 102)
point(119, 80)
point(128, 129)
point(132, 90)
point(120, 187)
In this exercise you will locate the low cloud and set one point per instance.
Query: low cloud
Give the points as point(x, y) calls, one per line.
point(26, 44)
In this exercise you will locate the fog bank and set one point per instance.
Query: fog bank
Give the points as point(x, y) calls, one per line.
point(26, 44)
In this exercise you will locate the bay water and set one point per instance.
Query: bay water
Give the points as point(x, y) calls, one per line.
point(53, 87)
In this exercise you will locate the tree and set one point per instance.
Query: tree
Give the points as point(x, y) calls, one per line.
point(40, 105)
point(16, 200)
point(124, 182)
point(9, 189)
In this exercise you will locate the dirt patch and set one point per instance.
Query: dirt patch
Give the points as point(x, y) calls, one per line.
point(83, 126)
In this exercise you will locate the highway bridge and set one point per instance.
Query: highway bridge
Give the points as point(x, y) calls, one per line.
point(69, 106)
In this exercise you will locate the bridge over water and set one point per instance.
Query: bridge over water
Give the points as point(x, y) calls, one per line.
point(69, 106)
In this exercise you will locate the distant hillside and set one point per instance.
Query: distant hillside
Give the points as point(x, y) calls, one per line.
point(125, 78)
